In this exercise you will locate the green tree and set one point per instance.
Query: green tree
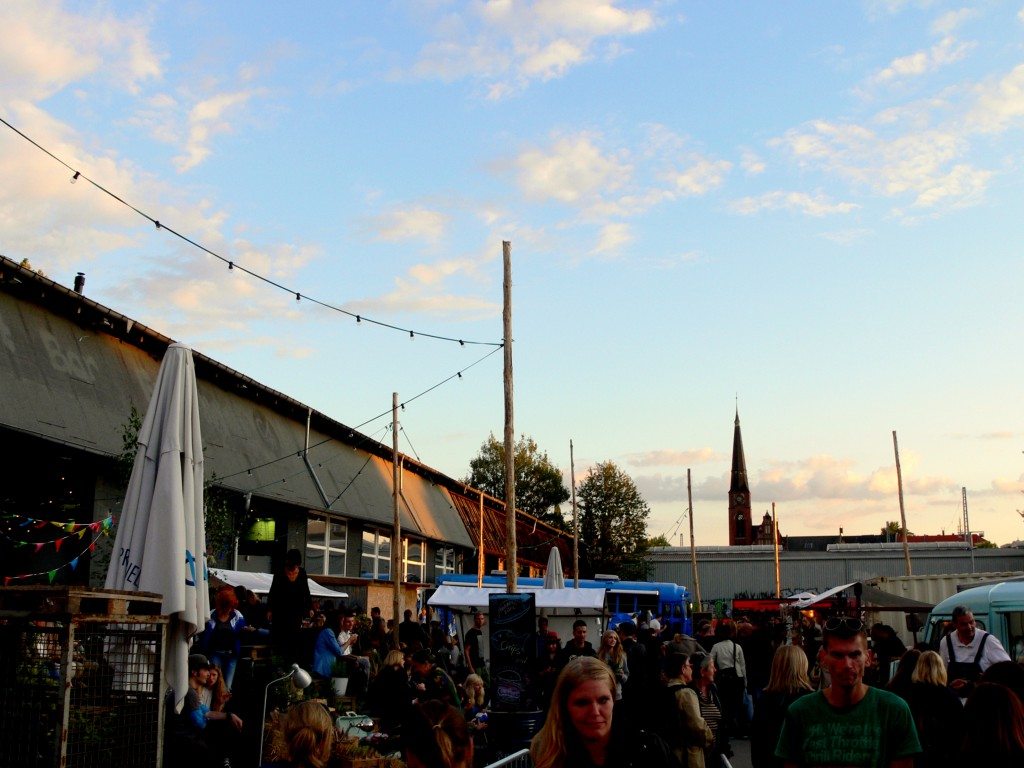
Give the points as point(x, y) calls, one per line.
point(657, 541)
point(539, 485)
point(613, 523)
point(893, 531)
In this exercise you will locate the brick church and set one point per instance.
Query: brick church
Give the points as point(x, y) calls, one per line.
point(742, 530)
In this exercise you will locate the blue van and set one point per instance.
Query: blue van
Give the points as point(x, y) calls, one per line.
point(997, 608)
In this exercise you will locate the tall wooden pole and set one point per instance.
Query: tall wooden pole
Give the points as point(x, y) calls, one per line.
point(693, 542)
point(511, 567)
point(480, 546)
point(903, 514)
point(396, 533)
point(575, 523)
point(775, 546)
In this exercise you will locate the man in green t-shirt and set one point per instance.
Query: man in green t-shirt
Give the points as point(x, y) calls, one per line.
point(847, 723)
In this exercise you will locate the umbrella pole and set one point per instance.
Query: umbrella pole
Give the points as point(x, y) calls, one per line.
point(396, 538)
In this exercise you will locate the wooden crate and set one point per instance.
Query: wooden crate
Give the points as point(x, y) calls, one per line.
point(29, 600)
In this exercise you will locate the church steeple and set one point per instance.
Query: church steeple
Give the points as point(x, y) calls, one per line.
point(740, 524)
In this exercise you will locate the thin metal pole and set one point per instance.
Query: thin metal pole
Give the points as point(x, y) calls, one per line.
point(575, 523)
point(968, 536)
point(510, 449)
point(903, 514)
point(775, 546)
point(693, 543)
point(396, 534)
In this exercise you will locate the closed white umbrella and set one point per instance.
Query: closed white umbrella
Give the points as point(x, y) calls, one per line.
point(554, 578)
point(160, 544)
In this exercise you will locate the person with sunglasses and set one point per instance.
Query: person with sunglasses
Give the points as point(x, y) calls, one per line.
point(848, 723)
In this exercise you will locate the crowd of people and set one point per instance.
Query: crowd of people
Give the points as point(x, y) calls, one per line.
point(803, 693)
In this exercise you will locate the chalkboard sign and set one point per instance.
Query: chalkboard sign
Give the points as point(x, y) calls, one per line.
point(513, 647)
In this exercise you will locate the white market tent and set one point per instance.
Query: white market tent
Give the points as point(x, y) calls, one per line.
point(554, 602)
point(260, 583)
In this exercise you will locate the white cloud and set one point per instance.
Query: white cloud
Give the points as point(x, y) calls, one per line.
point(613, 237)
point(947, 51)
point(922, 163)
point(510, 44)
point(45, 47)
point(207, 119)
point(669, 458)
point(847, 236)
point(572, 171)
point(700, 177)
point(752, 163)
point(817, 204)
point(950, 21)
point(416, 223)
point(1000, 104)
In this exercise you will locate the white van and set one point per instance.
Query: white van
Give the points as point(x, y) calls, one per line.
point(997, 608)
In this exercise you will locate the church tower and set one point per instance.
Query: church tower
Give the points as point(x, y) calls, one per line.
point(740, 524)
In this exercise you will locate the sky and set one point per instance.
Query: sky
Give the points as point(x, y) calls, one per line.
point(810, 211)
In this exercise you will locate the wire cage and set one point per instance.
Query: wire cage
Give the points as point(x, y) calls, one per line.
point(80, 678)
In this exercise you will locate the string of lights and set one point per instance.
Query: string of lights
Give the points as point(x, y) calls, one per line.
point(232, 265)
point(382, 414)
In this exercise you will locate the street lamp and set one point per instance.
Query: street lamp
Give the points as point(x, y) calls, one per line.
point(300, 679)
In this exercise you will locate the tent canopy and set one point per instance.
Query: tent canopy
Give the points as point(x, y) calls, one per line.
point(260, 582)
point(587, 601)
point(871, 599)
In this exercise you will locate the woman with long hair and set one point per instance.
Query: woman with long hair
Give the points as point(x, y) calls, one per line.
point(993, 727)
point(902, 679)
point(692, 735)
point(217, 694)
point(731, 677)
point(580, 731)
point(611, 653)
point(936, 709)
point(710, 707)
point(309, 734)
point(435, 735)
point(787, 682)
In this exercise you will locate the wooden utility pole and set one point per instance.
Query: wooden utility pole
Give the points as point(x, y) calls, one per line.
point(575, 523)
point(480, 546)
point(903, 514)
point(693, 543)
point(775, 546)
point(511, 567)
point(396, 533)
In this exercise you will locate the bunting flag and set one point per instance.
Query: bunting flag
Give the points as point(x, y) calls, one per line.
point(52, 574)
point(77, 530)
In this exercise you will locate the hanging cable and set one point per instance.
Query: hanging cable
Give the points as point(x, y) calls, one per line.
point(232, 265)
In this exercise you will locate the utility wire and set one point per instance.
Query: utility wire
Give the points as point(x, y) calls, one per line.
point(233, 265)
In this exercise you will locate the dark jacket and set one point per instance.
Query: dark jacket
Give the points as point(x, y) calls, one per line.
point(769, 713)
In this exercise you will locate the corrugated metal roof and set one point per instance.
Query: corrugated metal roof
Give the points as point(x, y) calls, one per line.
point(534, 539)
point(70, 370)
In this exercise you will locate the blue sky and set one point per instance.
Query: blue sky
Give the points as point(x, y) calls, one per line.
point(816, 207)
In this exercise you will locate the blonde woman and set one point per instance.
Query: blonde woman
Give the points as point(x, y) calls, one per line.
point(309, 733)
point(611, 653)
point(435, 735)
point(390, 696)
point(787, 682)
point(936, 709)
point(579, 729)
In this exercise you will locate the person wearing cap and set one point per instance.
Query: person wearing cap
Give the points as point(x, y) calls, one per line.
point(848, 723)
point(431, 682)
point(191, 742)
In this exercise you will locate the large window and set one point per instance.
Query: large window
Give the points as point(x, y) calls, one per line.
point(375, 559)
point(415, 560)
point(444, 560)
point(326, 545)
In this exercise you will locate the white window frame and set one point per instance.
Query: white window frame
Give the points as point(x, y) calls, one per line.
point(421, 563)
point(330, 547)
point(444, 560)
point(376, 572)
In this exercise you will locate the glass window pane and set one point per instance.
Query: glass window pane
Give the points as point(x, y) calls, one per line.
point(367, 567)
point(415, 551)
point(369, 543)
point(336, 563)
point(314, 560)
point(384, 547)
point(339, 533)
point(315, 531)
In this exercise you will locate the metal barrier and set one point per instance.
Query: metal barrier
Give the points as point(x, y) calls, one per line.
point(520, 759)
point(80, 678)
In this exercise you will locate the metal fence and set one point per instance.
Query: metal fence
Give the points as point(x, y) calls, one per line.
point(80, 678)
point(520, 759)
